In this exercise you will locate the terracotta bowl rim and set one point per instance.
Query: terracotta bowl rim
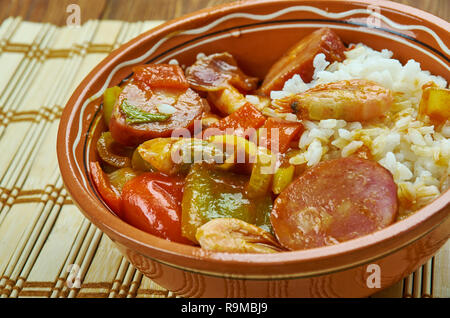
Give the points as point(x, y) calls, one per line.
point(134, 238)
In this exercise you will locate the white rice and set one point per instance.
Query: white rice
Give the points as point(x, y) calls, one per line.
point(414, 151)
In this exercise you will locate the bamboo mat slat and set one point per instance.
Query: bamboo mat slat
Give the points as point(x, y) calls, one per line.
point(42, 233)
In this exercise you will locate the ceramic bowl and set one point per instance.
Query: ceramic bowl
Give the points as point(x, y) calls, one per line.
point(257, 33)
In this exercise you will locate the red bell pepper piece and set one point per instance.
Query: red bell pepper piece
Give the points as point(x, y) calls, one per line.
point(279, 134)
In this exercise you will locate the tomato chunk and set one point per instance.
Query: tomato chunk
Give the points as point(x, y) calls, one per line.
point(335, 201)
point(242, 122)
point(161, 76)
point(299, 59)
point(277, 134)
point(110, 194)
point(152, 203)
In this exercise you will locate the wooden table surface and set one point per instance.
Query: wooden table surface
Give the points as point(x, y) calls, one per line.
point(54, 11)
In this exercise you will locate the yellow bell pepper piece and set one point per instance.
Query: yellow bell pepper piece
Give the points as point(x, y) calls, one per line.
point(436, 104)
point(237, 149)
point(283, 176)
point(174, 155)
point(262, 173)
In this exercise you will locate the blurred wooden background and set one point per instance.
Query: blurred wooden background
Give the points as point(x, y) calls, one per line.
point(53, 11)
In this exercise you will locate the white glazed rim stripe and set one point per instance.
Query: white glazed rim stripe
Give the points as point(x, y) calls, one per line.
point(256, 17)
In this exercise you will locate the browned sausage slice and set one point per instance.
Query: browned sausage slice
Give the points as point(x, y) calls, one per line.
point(335, 201)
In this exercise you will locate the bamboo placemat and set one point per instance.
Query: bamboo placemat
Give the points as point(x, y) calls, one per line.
point(42, 233)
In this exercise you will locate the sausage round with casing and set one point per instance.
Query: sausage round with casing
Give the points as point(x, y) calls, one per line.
point(334, 201)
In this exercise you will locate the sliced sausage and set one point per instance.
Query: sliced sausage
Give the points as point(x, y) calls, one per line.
point(187, 104)
point(335, 201)
point(299, 59)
